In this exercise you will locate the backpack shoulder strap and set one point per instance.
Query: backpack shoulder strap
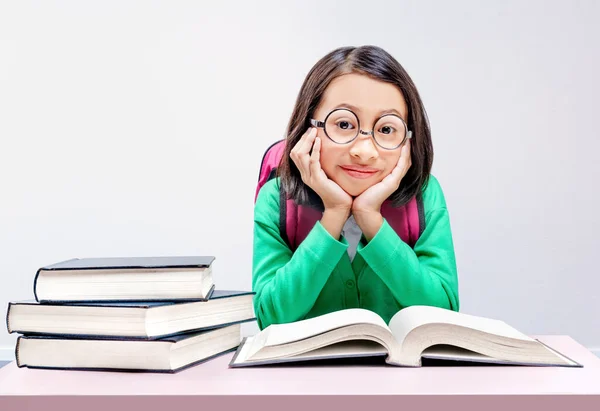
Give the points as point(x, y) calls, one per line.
point(421, 212)
point(407, 221)
point(269, 163)
point(288, 211)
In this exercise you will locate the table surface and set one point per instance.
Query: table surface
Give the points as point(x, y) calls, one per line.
point(216, 378)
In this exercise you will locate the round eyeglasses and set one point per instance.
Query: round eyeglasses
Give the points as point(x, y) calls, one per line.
point(342, 127)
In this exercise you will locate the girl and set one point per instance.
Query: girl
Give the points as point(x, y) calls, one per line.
point(358, 137)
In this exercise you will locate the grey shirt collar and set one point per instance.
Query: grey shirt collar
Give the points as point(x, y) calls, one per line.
point(352, 233)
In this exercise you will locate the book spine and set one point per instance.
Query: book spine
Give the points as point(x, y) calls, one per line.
point(17, 357)
point(35, 280)
point(8, 318)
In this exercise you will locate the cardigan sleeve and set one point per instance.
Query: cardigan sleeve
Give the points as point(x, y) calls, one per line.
point(288, 284)
point(427, 274)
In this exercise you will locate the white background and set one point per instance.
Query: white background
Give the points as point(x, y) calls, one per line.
point(137, 128)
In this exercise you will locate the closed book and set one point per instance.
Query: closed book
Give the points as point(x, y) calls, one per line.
point(148, 320)
point(170, 354)
point(183, 278)
point(413, 334)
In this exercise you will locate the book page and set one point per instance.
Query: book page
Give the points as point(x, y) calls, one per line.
point(409, 318)
point(360, 348)
point(277, 334)
point(449, 352)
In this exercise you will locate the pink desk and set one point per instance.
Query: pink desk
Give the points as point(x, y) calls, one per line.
point(365, 386)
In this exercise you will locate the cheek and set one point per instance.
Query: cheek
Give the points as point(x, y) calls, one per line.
point(390, 161)
point(330, 157)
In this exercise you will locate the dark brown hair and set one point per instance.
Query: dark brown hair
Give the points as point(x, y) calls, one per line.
point(380, 65)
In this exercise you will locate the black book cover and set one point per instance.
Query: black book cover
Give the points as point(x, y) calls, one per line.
point(106, 263)
point(131, 262)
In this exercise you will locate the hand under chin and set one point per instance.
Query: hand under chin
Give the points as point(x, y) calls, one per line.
point(355, 189)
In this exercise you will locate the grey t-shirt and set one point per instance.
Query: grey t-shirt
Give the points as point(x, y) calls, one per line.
point(352, 233)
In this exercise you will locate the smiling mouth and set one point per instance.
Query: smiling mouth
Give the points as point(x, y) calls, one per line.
point(359, 174)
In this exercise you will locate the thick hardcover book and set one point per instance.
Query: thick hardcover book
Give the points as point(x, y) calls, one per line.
point(149, 320)
point(165, 355)
point(185, 278)
point(414, 333)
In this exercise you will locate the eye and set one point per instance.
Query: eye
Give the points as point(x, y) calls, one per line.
point(344, 125)
point(387, 130)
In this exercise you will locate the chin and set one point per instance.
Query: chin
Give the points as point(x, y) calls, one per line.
point(354, 191)
point(353, 187)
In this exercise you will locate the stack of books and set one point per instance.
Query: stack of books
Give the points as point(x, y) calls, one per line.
point(153, 314)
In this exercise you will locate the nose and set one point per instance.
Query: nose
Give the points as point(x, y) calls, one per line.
point(364, 148)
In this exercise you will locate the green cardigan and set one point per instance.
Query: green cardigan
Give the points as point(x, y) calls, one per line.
point(385, 276)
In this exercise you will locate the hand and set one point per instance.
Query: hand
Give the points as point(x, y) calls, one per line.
point(370, 201)
point(332, 195)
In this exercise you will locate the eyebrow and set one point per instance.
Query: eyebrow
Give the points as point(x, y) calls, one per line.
point(382, 113)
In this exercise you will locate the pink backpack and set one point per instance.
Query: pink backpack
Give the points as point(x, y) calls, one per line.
point(296, 221)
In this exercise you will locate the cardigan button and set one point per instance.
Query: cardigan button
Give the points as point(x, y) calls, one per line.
point(350, 284)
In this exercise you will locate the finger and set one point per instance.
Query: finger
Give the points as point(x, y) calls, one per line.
point(407, 146)
point(408, 156)
point(294, 153)
point(405, 156)
point(404, 163)
point(306, 142)
point(308, 145)
point(299, 153)
point(315, 158)
point(395, 176)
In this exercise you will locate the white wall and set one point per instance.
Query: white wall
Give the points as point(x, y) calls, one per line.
point(136, 128)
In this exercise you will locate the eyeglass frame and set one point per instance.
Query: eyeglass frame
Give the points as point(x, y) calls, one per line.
point(321, 124)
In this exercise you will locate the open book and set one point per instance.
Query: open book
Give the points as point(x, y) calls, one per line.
point(413, 333)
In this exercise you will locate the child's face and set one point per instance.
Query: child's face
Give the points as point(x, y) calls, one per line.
point(370, 97)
